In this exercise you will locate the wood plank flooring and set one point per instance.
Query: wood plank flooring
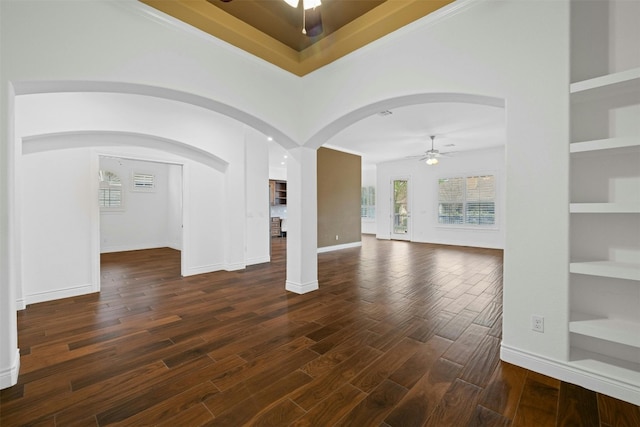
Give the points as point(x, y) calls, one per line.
point(399, 334)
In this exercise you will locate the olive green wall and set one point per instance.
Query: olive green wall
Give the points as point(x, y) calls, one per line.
point(339, 183)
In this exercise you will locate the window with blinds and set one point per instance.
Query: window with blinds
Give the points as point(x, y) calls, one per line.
point(110, 191)
point(143, 181)
point(467, 200)
point(368, 202)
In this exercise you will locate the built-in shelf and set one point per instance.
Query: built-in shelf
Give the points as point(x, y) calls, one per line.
point(614, 207)
point(604, 144)
point(628, 80)
point(613, 269)
point(614, 330)
point(600, 364)
point(604, 147)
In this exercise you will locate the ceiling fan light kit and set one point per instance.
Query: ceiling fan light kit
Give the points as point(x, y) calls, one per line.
point(433, 154)
point(306, 4)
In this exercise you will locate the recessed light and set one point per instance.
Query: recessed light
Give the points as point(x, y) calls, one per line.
point(269, 138)
point(285, 156)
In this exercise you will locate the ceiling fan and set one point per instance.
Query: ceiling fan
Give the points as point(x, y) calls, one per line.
point(311, 19)
point(431, 156)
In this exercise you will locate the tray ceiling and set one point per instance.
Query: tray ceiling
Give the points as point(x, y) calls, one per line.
point(272, 30)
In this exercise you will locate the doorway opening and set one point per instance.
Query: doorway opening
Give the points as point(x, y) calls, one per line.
point(401, 214)
point(141, 208)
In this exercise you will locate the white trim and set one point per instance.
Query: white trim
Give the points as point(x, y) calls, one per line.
point(94, 215)
point(258, 260)
point(20, 304)
point(137, 247)
point(235, 266)
point(301, 288)
point(9, 376)
point(572, 374)
point(72, 291)
point(192, 271)
point(339, 247)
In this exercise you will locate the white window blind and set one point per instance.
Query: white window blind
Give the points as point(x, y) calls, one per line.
point(480, 207)
point(467, 200)
point(368, 202)
point(143, 181)
point(110, 192)
point(451, 200)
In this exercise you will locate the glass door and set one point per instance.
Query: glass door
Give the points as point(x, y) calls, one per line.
point(401, 215)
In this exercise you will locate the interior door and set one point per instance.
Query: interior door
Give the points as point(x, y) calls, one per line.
point(401, 209)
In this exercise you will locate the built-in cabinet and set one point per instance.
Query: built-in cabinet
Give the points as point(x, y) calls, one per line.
point(604, 208)
point(277, 192)
point(275, 228)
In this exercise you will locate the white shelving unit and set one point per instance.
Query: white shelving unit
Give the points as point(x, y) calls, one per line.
point(604, 209)
point(611, 269)
point(620, 207)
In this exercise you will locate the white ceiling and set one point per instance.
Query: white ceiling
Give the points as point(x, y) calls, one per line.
point(405, 132)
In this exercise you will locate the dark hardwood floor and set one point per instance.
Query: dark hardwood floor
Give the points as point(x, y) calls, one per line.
point(399, 334)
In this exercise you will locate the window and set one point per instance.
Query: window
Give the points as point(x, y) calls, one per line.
point(368, 202)
point(143, 181)
point(467, 200)
point(110, 192)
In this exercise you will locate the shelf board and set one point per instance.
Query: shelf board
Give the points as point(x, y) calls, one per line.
point(613, 269)
point(614, 330)
point(603, 144)
point(614, 207)
point(623, 79)
point(621, 370)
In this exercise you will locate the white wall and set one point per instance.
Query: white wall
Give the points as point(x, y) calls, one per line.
point(257, 198)
point(423, 198)
point(143, 220)
point(59, 199)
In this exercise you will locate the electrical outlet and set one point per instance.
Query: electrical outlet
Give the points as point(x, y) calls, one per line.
point(537, 323)
point(336, 237)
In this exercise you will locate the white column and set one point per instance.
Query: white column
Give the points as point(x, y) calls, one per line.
point(9, 249)
point(302, 221)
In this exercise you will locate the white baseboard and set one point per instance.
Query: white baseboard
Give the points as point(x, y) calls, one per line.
point(235, 267)
point(137, 247)
point(301, 288)
point(258, 260)
point(20, 304)
point(9, 375)
point(55, 294)
point(564, 371)
point(192, 271)
point(339, 247)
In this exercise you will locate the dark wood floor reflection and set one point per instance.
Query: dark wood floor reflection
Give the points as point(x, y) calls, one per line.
point(399, 334)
